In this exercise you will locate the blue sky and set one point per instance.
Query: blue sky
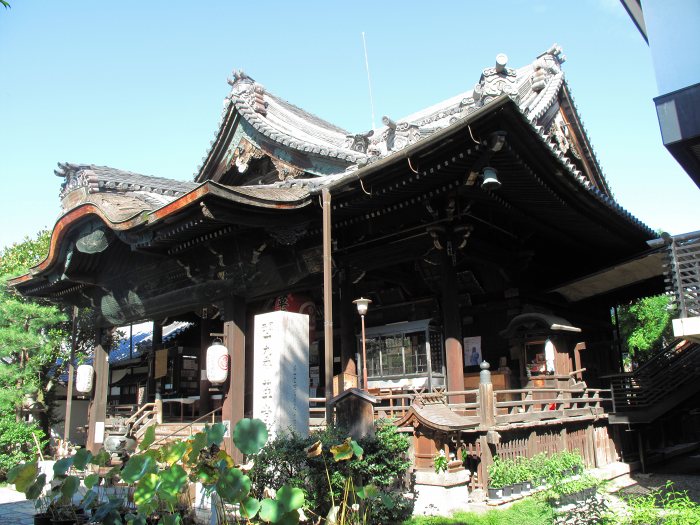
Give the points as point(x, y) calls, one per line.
point(139, 85)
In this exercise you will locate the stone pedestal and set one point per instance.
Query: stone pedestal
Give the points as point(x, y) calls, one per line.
point(441, 493)
point(281, 379)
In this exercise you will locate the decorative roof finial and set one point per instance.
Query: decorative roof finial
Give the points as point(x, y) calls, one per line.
point(501, 61)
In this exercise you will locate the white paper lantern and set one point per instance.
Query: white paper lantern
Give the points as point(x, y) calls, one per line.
point(83, 379)
point(217, 363)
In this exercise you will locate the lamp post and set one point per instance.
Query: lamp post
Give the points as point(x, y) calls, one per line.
point(362, 305)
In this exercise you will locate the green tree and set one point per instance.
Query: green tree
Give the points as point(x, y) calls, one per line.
point(31, 332)
point(645, 325)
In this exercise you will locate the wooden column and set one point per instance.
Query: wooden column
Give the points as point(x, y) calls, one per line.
point(204, 341)
point(577, 358)
point(348, 314)
point(69, 389)
point(591, 454)
point(157, 343)
point(98, 406)
point(327, 303)
point(486, 459)
point(642, 450)
point(234, 397)
point(452, 327)
point(487, 410)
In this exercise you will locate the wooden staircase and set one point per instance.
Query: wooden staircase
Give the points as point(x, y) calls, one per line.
point(148, 416)
point(662, 383)
point(167, 432)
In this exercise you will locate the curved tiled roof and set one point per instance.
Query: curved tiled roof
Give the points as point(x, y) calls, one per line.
point(535, 87)
point(119, 193)
point(287, 124)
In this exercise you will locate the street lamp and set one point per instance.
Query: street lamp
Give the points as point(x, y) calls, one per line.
point(362, 305)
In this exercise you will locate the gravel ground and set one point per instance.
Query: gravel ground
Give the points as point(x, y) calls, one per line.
point(683, 471)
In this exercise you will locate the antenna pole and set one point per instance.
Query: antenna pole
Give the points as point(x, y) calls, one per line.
point(369, 81)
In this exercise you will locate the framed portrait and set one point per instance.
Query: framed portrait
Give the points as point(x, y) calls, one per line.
point(472, 352)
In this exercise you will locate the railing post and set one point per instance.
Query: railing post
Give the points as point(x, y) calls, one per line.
point(487, 399)
point(158, 408)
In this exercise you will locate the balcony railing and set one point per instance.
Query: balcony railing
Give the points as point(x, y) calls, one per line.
point(683, 277)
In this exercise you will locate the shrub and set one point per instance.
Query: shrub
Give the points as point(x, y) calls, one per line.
point(16, 443)
point(664, 506)
point(384, 464)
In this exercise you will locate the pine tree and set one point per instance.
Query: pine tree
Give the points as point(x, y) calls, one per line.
point(31, 331)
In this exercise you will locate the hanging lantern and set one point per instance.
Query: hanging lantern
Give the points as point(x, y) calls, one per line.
point(301, 304)
point(217, 363)
point(83, 379)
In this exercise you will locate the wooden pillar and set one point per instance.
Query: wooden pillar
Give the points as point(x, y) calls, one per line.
point(327, 303)
point(486, 459)
point(348, 314)
point(642, 450)
point(487, 410)
point(98, 406)
point(591, 454)
point(69, 389)
point(577, 358)
point(157, 344)
point(233, 409)
point(452, 326)
point(204, 341)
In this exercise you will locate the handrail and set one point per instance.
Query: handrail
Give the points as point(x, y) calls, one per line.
point(666, 371)
point(190, 424)
point(135, 415)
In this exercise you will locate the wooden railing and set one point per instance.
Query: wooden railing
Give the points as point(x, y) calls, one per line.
point(666, 372)
point(145, 416)
point(684, 273)
point(206, 417)
point(517, 407)
point(530, 405)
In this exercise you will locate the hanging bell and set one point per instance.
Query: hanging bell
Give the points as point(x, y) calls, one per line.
point(490, 179)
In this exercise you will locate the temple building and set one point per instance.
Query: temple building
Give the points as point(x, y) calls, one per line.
point(481, 228)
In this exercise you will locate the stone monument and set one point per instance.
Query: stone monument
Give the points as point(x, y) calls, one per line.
point(281, 376)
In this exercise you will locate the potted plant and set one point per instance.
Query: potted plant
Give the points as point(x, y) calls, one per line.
point(537, 466)
point(514, 477)
point(524, 474)
point(497, 479)
point(571, 463)
point(41, 505)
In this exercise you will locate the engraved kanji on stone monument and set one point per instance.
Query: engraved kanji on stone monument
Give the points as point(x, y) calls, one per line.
point(281, 360)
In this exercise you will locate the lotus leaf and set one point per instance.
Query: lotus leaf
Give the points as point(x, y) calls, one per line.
point(148, 438)
point(81, 458)
point(23, 476)
point(137, 467)
point(232, 485)
point(250, 507)
point(290, 498)
point(250, 435)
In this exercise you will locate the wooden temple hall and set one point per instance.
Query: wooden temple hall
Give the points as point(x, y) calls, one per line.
point(481, 228)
